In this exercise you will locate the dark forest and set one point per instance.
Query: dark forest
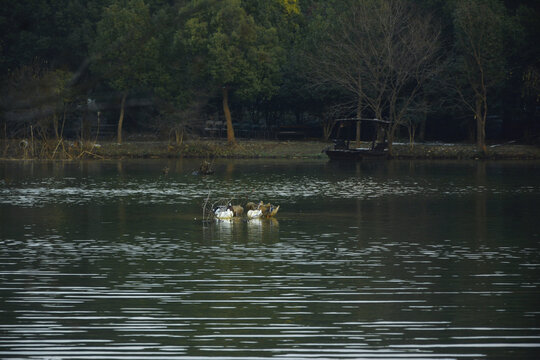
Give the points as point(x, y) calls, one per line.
point(436, 70)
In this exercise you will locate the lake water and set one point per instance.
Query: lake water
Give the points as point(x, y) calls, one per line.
point(375, 260)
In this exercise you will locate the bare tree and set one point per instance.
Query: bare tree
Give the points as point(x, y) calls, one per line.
point(382, 52)
point(479, 32)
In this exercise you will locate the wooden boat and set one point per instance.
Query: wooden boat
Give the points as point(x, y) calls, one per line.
point(342, 151)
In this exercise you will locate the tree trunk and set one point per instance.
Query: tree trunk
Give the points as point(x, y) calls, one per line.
point(359, 122)
point(359, 112)
point(55, 126)
point(481, 114)
point(83, 125)
point(358, 128)
point(390, 135)
point(380, 133)
point(121, 119)
point(422, 130)
point(179, 136)
point(230, 130)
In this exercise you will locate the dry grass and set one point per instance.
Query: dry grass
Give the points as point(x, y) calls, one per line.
point(270, 149)
point(215, 149)
point(467, 151)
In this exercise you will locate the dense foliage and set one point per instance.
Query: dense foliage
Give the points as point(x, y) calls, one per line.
point(436, 70)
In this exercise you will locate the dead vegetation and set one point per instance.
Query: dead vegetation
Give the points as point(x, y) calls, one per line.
point(32, 148)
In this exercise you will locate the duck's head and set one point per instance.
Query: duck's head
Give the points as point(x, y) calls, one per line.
point(223, 207)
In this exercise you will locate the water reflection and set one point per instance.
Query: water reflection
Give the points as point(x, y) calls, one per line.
point(265, 230)
point(406, 260)
point(241, 230)
point(362, 182)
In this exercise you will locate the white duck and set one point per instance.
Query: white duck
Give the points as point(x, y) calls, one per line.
point(254, 211)
point(261, 210)
point(224, 212)
point(254, 214)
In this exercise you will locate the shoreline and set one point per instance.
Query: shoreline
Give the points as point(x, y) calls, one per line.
point(257, 149)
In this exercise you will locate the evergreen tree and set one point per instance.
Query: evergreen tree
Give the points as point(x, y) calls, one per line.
point(233, 51)
point(125, 50)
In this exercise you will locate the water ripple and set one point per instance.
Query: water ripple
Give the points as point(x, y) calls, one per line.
point(431, 272)
point(41, 192)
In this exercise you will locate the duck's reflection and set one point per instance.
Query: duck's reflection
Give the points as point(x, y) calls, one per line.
point(263, 230)
point(224, 230)
point(236, 230)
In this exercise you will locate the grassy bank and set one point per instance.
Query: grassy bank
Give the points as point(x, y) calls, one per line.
point(216, 149)
point(466, 151)
point(248, 149)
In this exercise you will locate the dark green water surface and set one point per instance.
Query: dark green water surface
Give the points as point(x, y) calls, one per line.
point(376, 260)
